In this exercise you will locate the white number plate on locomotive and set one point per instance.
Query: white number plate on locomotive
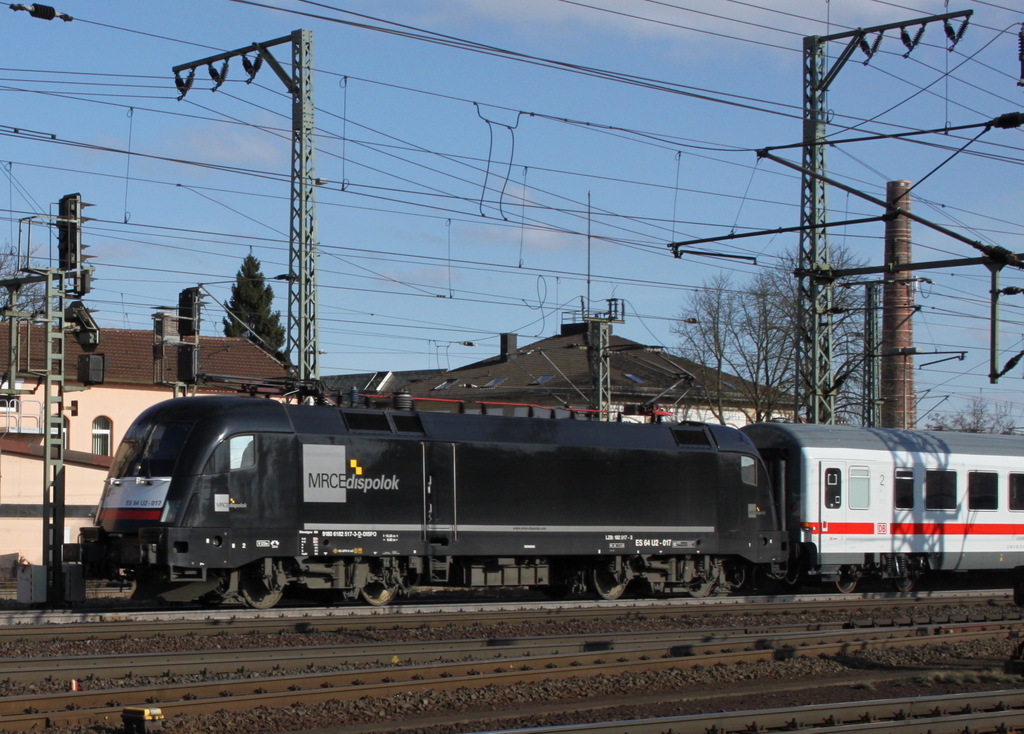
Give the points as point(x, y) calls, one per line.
point(136, 494)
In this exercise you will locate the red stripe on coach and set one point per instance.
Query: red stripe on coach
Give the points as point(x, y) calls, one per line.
point(915, 528)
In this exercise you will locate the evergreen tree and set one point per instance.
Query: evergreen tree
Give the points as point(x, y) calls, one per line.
point(249, 307)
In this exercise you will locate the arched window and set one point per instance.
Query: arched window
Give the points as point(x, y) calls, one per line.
point(101, 436)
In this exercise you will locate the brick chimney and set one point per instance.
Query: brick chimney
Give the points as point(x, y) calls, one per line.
point(898, 408)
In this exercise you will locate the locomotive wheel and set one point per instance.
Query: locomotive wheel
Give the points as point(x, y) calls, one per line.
point(605, 585)
point(377, 594)
point(904, 585)
point(846, 584)
point(255, 591)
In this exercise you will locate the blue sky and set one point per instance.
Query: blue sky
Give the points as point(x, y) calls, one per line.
point(460, 187)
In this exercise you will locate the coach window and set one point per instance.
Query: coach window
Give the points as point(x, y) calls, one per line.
point(1017, 491)
point(940, 490)
point(860, 487)
point(903, 489)
point(982, 490)
point(833, 488)
point(242, 452)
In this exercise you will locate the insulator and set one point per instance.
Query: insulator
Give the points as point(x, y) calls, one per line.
point(864, 47)
point(45, 12)
point(218, 76)
point(911, 43)
point(955, 36)
point(870, 51)
point(252, 67)
point(184, 85)
point(1020, 54)
point(1011, 363)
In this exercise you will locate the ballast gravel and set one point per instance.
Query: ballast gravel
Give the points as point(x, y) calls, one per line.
point(943, 668)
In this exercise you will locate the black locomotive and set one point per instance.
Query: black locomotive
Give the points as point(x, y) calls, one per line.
point(225, 498)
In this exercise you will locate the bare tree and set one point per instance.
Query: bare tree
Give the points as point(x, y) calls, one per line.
point(31, 298)
point(977, 417)
point(749, 331)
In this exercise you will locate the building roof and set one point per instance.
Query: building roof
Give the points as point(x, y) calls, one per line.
point(133, 357)
point(554, 371)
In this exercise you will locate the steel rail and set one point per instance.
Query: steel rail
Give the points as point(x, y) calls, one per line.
point(673, 643)
point(996, 711)
point(92, 707)
point(33, 626)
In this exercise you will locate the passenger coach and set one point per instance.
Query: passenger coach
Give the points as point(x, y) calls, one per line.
point(894, 504)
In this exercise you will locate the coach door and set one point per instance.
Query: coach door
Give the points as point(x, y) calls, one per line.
point(440, 490)
point(833, 491)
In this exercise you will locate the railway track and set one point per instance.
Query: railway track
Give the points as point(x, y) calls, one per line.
point(265, 678)
point(663, 644)
point(998, 711)
point(97, 625)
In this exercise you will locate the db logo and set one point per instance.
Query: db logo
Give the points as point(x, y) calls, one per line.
point(882, 529)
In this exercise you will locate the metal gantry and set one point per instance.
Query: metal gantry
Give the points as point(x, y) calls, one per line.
point(303, 319)
point(54, 437)
point(815, 387)
point(814, 315)
point(72, 278)
point(599, 352)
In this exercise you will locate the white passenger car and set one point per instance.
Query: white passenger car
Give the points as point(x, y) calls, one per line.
point(886, 503)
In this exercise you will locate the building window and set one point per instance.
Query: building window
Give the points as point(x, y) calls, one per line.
point(101, 436)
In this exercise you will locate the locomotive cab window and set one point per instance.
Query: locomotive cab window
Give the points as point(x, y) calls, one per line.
point(833, 488)
point(1017, 492)
point(940, 490)
point(903, 489)
point(982, 490)
point(241, 452)
point(233, 454)
point(150, 451)
point(860, 487)
point(748, 470)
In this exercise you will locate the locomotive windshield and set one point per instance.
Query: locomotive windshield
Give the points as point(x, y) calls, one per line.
point(150, 450)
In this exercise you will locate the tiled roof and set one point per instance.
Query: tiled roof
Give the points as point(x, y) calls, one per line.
point(133, 359)
point(556, 372)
